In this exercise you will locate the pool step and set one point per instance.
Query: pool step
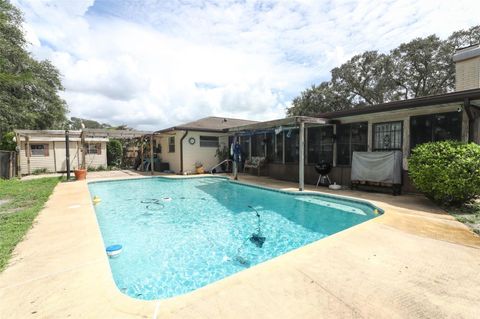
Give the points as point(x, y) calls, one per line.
point(321, 202)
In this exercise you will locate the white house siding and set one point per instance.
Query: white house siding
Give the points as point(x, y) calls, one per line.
point(172, 158)
point(404, 116)
point(96, 160)
point(56, 159)
point(37, 162)
point(195, 153)
point(191, 153)
point(60, 154)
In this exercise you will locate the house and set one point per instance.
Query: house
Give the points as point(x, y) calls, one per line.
point(45, 151)
point(183, 145)
point(398, 125)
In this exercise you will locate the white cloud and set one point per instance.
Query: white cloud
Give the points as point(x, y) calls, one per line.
point(151, 64)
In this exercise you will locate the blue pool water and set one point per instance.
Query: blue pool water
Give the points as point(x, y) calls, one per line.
point(182, 234)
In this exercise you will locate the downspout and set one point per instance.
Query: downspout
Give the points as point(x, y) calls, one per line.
point(181, 151)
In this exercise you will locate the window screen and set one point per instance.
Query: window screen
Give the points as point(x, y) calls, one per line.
point(435, 127)
point(279, 147)
point(245, 145)
point(270, 142)
point(291, 146)
point(258, 145)
point(350, 138)
point(320, 144)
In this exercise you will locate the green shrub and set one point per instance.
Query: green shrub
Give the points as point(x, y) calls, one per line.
point(114, 153)
point(7, 143)
point(447, 172)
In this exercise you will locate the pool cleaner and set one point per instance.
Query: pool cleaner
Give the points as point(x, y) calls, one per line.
point(257, 237)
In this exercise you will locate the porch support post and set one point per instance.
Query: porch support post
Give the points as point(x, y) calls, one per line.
point(301, 160)
point(18, 148)
point(83, 149)
point(151, 153)
point(141, 155)
point(27, 150)
point(235, 164)
point(471, 119)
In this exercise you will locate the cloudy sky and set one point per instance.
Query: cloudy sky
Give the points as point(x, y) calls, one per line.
point(155, 63)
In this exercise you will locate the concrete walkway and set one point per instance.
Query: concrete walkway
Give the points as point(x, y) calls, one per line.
point(415, 261)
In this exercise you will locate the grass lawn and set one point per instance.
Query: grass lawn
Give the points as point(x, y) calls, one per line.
point(20, 202)
point(468, 214)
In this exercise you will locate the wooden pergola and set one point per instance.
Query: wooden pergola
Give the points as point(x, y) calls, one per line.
point(289, 122)
point(119, 134)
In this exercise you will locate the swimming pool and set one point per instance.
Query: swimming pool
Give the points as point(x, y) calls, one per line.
point(180, 234)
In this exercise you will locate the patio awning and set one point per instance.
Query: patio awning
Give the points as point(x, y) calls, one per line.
point(288, 122)
point(285, 122)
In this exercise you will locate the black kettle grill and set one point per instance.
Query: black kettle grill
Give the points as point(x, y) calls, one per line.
point(323, 168)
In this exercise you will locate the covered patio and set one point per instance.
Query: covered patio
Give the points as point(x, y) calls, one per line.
point(275, 148)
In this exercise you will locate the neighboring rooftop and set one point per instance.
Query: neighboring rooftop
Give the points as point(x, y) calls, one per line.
point(209, 124)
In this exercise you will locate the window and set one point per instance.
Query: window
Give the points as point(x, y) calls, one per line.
point(258, 145)
point(320, 144)
point(209, 141)
point(38, 149)
point(291, 146)
point(245, 145)
point(387, 136)
point(350, 138)
point(435, 127)
point(270, 141)
point(94, 148)
point(279, 147)
point(171, 144)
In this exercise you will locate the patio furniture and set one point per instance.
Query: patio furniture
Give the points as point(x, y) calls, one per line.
point(323, 168)
point(255, 162)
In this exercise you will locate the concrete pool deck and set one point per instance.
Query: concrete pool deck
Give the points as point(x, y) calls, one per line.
point(414, 261)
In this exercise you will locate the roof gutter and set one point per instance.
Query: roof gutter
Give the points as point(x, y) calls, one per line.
point(181, 150)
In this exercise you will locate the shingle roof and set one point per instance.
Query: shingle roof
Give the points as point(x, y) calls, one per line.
point(209, 124)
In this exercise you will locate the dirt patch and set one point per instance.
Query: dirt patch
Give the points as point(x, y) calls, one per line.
point(3, 202)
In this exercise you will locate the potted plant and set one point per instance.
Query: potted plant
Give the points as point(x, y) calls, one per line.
point(199, 168)
point(80, 173)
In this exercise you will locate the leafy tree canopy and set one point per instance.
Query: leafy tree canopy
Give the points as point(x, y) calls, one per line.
point(28, 88)
point(418, 68)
